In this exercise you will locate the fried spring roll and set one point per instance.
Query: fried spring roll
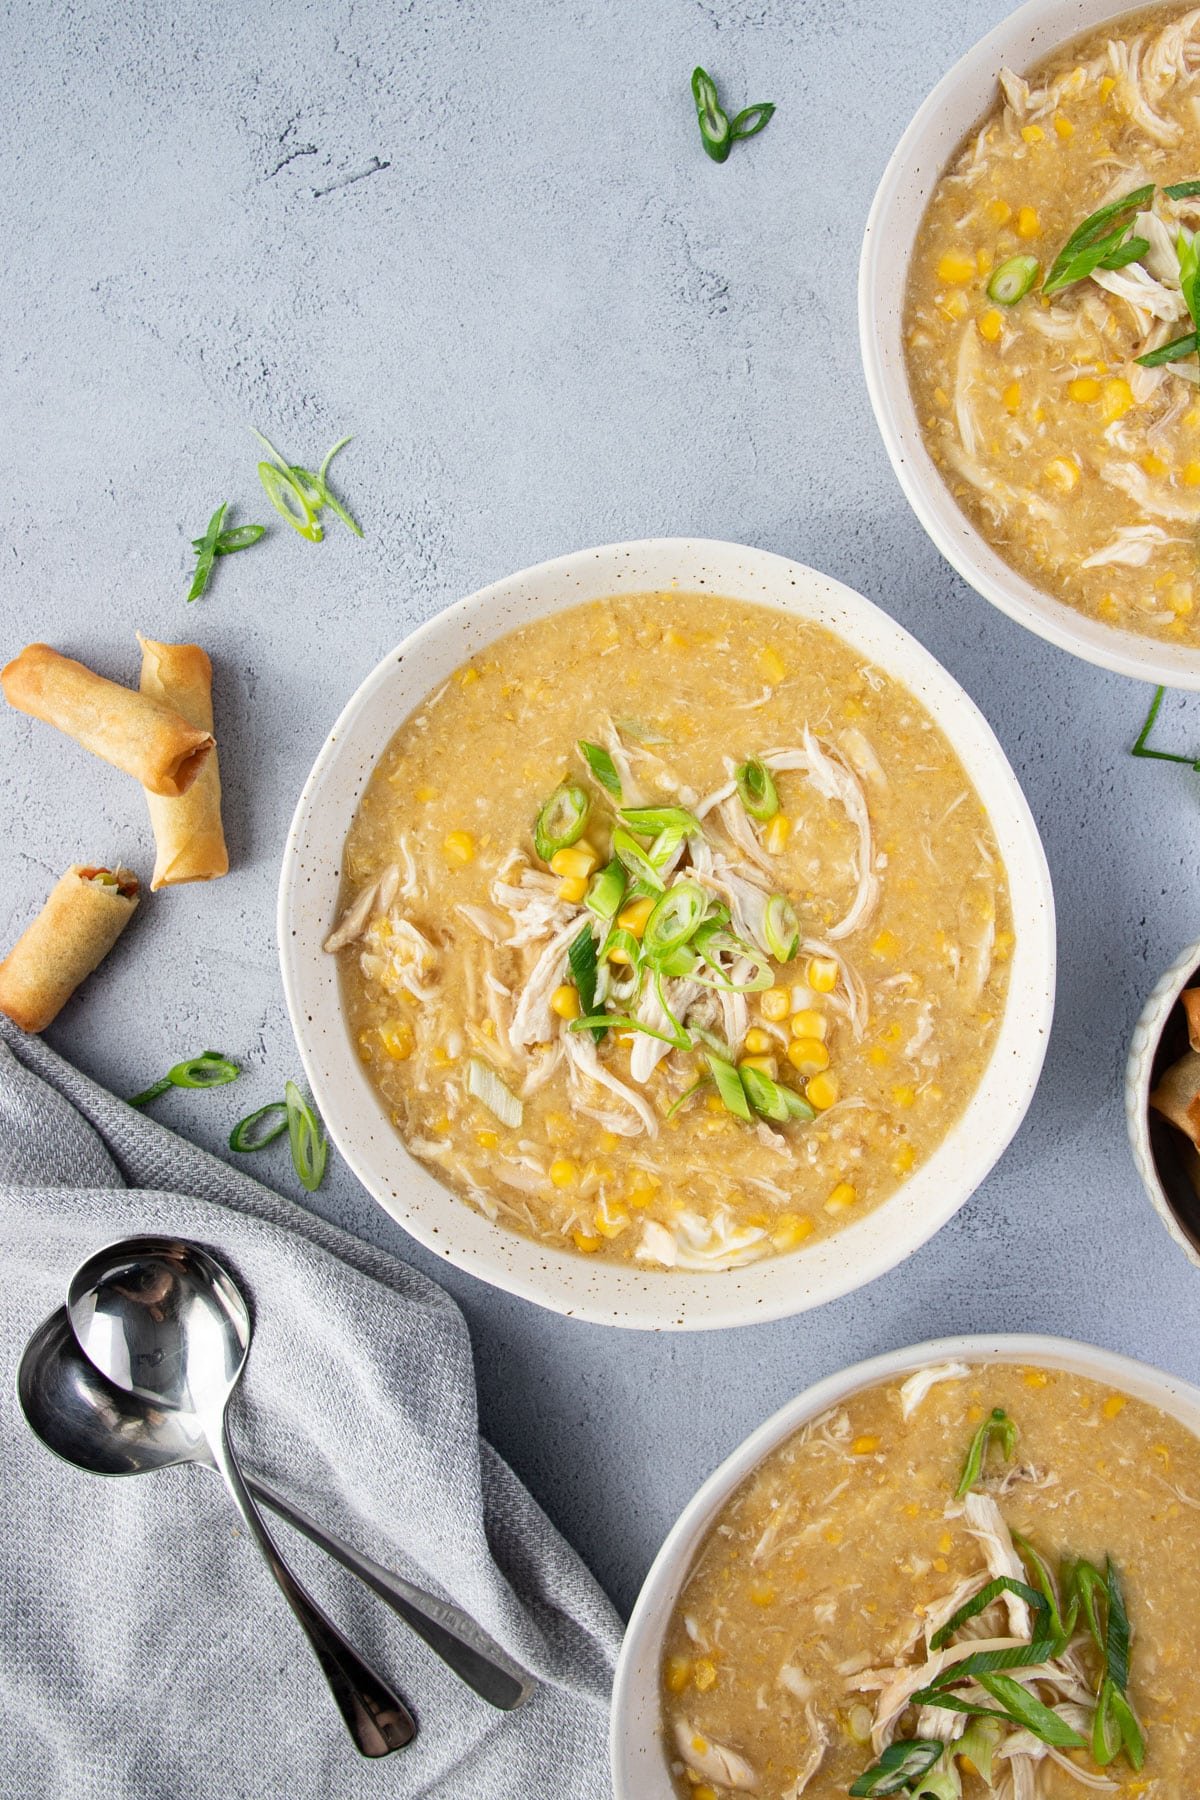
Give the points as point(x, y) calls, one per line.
point(86, 913)
point(1191, 1007)
point(187, 831)
point(1177, 1096)
point(148, 740)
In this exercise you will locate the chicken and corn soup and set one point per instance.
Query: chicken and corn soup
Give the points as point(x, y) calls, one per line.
point(1051, 323)
point(979, 1581)
point(673, 931)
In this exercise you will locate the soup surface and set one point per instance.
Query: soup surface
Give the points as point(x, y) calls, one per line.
point(838, 1583)
point(1079, 462)
point(798, 981)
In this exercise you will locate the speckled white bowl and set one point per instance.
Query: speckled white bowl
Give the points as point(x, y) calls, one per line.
point(956, 104)
point(1152, 1140)
point(587, 1287)
point(639, 1756)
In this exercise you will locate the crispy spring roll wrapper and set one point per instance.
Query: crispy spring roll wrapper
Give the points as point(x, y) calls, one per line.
point(1191, 1006)
point(75, 930)
point(187, 831)
point(150, 741)
point(1177, 1096)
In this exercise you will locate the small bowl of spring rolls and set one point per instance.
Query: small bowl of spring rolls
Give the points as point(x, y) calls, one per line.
point(1162, 1100)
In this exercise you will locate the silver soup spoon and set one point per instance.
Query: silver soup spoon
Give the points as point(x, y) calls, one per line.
point(163, 1320)
point(82, 1417)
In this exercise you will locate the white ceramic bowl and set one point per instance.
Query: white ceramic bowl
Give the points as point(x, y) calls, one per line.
point(587, 1287)
point(1157, 1147)
point(639, 1758)
point(956, 104)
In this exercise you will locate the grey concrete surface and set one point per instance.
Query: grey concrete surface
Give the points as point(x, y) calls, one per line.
point(483, 238)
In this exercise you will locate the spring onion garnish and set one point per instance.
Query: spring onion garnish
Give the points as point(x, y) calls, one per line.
point(979, 1743)
point(208, 1070)
point(1016, 1705)
point(206, 551)
point(606, 891)
point(306, 1135)
point(781, 928)
point(1061, 1628)
point(713, 941)
point(290, 501)
point(562, 820)
point(1013, 280)
point(639, 864)
point(647, 820)
point(602, 766)
point(621, 1022)
point(1115, 1726)
point(1099, 242)
point(260, 1128)
point(1141, 748)
point(674, 919)
point(997, 1427)
point(1003, 1584)
point(581, 954)
point(484, 1085)
point(312, 491)
point(689, 1093)
point(234, 538)
point(717, 134)
point(757, 791)
point(729, 1087)
point(1188, 253)
point(1182, 190)
point(899, 1766)
point(765, 1095)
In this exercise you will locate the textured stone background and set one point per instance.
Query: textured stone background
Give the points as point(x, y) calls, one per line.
point(483, 238)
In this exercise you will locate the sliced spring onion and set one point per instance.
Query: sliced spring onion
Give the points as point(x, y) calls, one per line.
point(290, 501)
point(729, 1087)
point(1061, 1629)
point(627, 849)
point(899, 1766)
point(751, 120)
point(208, 1070)
point(1003, 1584)
point(987, 1662)
point(624, 941)
point(1182, 190)
point(1133, 1741)
point(674, 919)
point(715, 132)
point(234, 538)
point(650, 819)
point(628, 1023)
point(206, 550)
point(979, 1743)
point(997, 1426)
point(1028, 1711)
point(1092, 243)
point(798, 1107)
point(713, 940)
point(757, 791)
point(1116, 1633)
point(1175, 351)
point(765, 1096)
point(1188, 252)
point(260, 1128)
point(484, 1085)
point(328, 497)
point(581, 954)
point(1013, 280)
point(1140, 746)
point(781, 928)
point(306, 1135)
point(562, 820)
point(606, 891)
point(689, 1093)
point(678, 962)
point(602, 766)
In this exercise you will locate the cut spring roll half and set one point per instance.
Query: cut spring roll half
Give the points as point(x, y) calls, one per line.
point(187, 831)
point(150, 741)
point(87, 910)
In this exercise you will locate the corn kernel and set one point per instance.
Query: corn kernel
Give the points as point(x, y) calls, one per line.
point(904, 1095)
point(1113, 1405)
point(776, 835)
point(1033, 134)
point(487, 1140)
point(1153, 463)
point(679, 1673)
point(865, 1446)
point(1191, 474)
point(576, 859)
point(809, 1055)
point(396, 1036)
point(904, 1159)
point(762, 1594)
point(704, 1792)
point(705, 1674)
point(773, 1003)
point(1061, 473)
point(1084, 389)
point(822, 974)
point(885, 944)
point(773, 665)
point(632, 918)
point(610, 1221)
point(468, 676)
point(1107, 84)
point(458, 847)
point(809, 1023)
point(843, 1196)
point(758, 1042)
point(676, 639)
point(564, 1001)
point(991, 325)
point(583, 1241)
point(573, 888)
point(999, 211)
point(1036, 1378)
point(766, 1065)
point(563, 1172)
point(425, 794)
point(1063, 127)
point(1115, 400)
point(1012, 398)
point(956, 268)
point(822, 1090)
point(1028, 223)
point(790, 1229)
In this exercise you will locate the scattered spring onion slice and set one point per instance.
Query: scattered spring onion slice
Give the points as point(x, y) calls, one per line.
point(1092, 242)
point(234, 538)
point(562, 820)
point(626, 1022)
point(1019, 1707)
point(1175, 351)
point(1140, 747)
point(312, 489)
point(899, 1766)
point(781, 928)
point(206, 550)
point(290, 501)
point(997, 1426)
point(484, 1085)
point(986, 1662)
point(715, 133)
point(1062, 1629)
point(581, 954)
point(729, 1087)
point(674, 919)
point(208, 1070)
point(651, 819)
point(640, 866)
point(751, 120)
point(602, 766)
point(1013, 280)
point(606, 891)
point(1003, 1584)
point(757, 791)
point(306, 1135)
point(260, 1128)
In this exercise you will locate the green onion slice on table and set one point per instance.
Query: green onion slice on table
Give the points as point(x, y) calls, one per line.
point(757, 791)
point(290, 501)
point(208, 1070)
point(258, 1129)
point(562, 820)
point(310, 1146)
point(206, 550)
point(715, 132)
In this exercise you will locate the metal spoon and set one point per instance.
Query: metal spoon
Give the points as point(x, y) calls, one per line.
point(83, 1418)
point(163, 1320)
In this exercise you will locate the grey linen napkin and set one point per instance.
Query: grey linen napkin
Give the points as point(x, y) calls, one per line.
point(145, 1651)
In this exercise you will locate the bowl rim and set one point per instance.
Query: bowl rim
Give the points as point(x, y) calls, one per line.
point(618, 1294)
point(888, 238)
point(1139, 1073)
point(641, 1645)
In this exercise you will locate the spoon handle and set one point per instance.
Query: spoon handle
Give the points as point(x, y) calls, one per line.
point(377, 1720)
point(450, 1633)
